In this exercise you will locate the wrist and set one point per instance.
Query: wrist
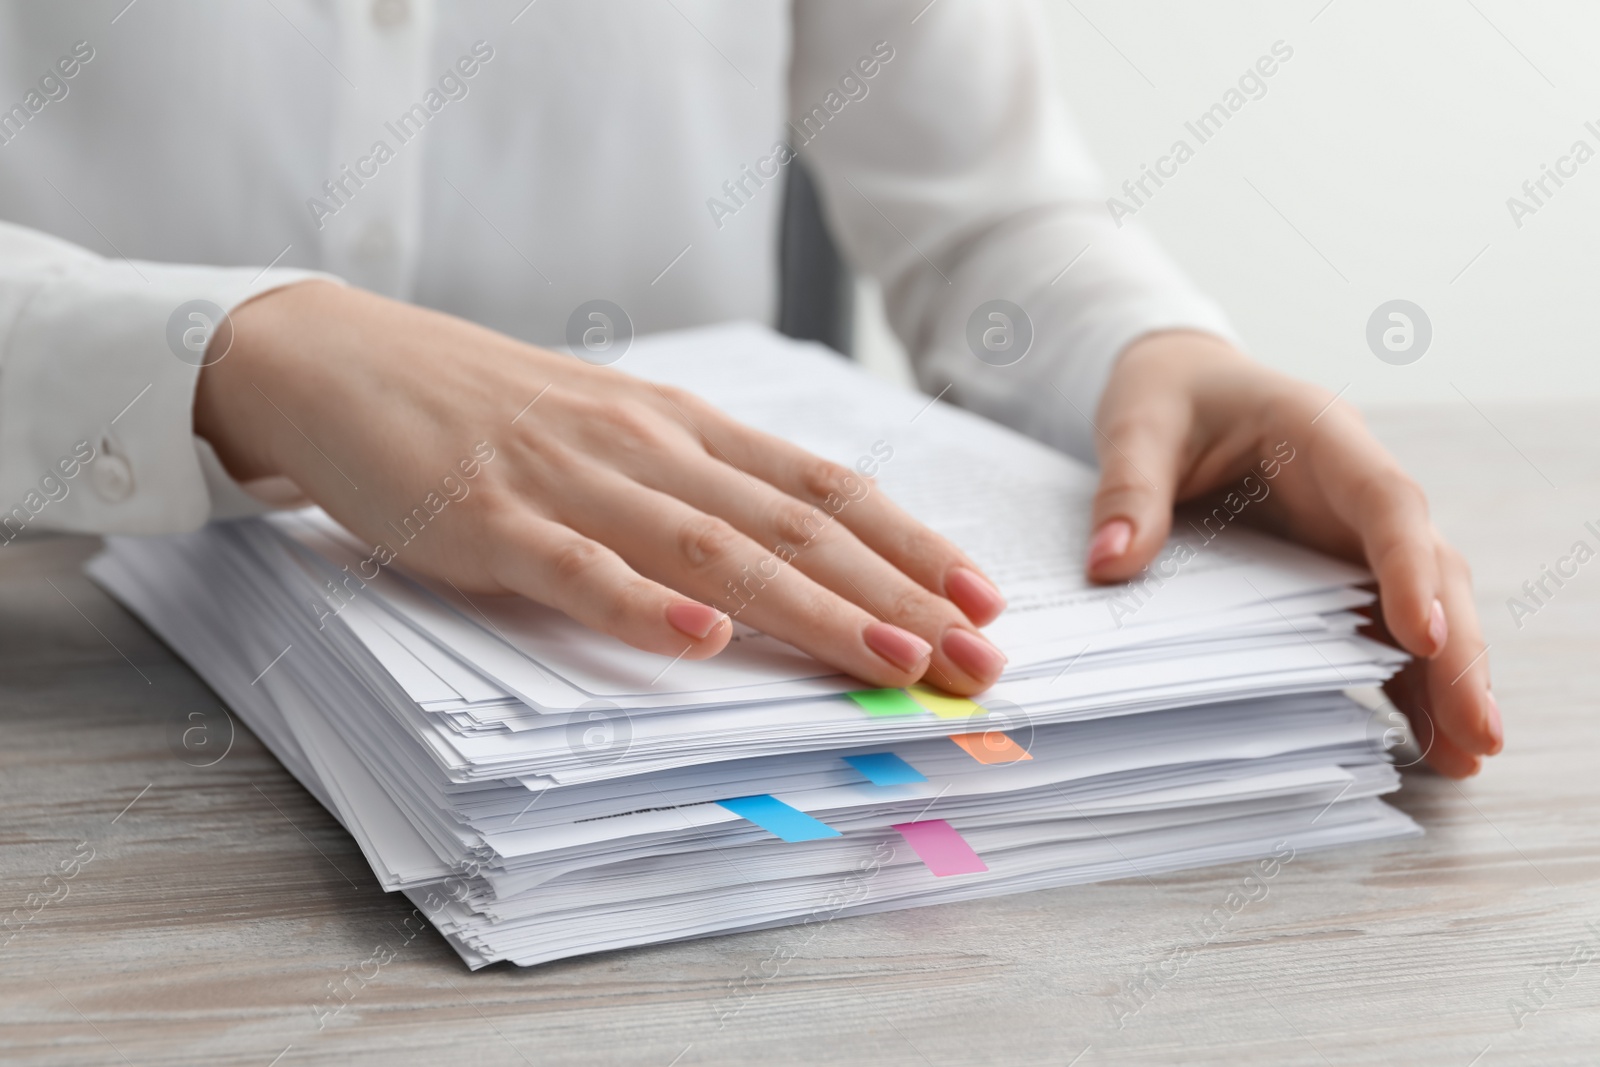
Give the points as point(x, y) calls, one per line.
point(1187, 353)
point(265, 338)
point(1209, 368)
point(1225, 390)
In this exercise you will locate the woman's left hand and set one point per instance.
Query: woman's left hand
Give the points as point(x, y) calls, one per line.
point(1186, 414)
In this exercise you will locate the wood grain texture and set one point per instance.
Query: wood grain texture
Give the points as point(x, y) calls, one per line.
point(219, 906)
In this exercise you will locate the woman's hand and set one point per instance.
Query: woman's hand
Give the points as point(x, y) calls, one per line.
point(1186, 414)
point(636, 509)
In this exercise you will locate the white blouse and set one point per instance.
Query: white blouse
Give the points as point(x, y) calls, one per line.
point(507, 163)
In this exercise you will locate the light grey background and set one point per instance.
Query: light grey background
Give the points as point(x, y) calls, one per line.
point(1391, 142)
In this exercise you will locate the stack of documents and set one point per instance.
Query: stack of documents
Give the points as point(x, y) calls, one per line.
point(540, 791)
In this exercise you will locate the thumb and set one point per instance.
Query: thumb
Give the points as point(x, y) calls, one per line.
point(1140, 460)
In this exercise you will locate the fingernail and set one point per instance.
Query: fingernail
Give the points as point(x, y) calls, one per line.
point(1110, 542)
point(1497, 732)
point(900, 647)
point(974, 594)
point(694, 620)
point(1438, 629)
point(973, 654)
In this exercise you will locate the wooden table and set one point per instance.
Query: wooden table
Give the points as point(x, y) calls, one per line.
point(220, 901)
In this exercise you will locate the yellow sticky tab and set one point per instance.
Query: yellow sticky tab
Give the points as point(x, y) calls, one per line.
point(943, 704)
point(991, 747)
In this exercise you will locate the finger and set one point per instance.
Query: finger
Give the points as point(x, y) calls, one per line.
point(1458, 677)
point(549, 563)
point(855, 500)
point(706, 557)
point(1448, 758)
point(1389, 513)
point(1440, 752)
point(1141, 453)
point(807, 537)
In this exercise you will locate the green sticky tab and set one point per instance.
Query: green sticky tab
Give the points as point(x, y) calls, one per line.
point(882, 703)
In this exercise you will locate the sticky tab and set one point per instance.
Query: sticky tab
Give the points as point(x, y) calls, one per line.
point(882, 703)
point(938, 845)
point(778, 818)
point(885, 768)
point(943, 704)
point(991, 746)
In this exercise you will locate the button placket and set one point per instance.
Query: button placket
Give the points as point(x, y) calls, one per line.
point(371, 235)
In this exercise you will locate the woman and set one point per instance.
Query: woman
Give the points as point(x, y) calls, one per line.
point(475, 177)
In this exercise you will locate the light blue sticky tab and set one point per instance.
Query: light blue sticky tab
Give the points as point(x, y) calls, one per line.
point(779, 819)
point(885, 768)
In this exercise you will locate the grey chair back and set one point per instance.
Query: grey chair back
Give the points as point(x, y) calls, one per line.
point(817, 295)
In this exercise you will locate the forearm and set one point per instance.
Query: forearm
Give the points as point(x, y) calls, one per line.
point(95, 365)
point(989, 196)
point(1085, 292)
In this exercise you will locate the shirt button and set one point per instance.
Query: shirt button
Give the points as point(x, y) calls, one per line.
point(377, 243)
point(112, 478)
point(388, 14)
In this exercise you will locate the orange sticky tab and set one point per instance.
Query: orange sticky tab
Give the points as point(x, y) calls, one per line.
point(943, 704)
point(991, 746)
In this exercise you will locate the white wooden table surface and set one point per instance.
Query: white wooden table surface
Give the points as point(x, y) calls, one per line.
point(221, 901)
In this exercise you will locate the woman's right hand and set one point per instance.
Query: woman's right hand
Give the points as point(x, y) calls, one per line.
point(629, 506)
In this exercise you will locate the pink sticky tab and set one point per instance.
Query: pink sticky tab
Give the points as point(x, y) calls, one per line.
point(940, 847)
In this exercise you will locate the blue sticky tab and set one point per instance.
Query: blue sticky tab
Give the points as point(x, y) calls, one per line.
point(778, 818)
point(885, 768)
